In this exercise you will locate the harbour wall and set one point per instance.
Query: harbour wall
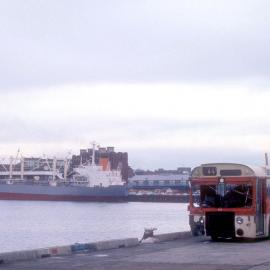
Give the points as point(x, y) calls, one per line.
point(26, 255)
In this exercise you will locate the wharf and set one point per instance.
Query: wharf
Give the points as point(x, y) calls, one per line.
point(188, 253)
point(158, 198)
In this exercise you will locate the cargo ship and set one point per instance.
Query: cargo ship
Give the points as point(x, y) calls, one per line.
point(87, 182)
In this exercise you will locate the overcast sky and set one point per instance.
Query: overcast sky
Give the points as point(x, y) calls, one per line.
point(171, 82)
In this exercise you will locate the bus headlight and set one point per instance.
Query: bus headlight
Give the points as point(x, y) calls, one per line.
point(201, 220)
point(239, 220)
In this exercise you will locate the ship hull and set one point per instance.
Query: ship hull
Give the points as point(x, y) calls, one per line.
point(62, 193)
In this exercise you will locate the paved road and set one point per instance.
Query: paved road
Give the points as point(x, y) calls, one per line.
point(188, 254)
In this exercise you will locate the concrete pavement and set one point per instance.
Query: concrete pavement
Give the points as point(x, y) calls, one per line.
point(189, 254)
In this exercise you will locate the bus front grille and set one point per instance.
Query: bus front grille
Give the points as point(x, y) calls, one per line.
point(220, 224)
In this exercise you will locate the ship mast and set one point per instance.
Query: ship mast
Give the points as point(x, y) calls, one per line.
point(12, 161)
point(22, 168)
point(54, 168)
point(66, 167)
point(93, 154)
point(266, 160)
point(10, 167)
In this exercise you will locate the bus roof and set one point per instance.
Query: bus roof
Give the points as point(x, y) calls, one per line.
point(229, 169)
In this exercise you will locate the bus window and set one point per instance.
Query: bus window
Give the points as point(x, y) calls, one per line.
point(196, 196)
point(238, 195)
point(204, 195)
point(268, 187)
point(222, 195)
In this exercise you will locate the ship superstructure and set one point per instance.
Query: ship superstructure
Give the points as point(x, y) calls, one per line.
point(93, 175)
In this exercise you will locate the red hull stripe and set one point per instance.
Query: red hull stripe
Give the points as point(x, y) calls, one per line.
point(45, 197)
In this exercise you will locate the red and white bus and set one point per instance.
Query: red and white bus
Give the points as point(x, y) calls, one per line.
point(230, 201)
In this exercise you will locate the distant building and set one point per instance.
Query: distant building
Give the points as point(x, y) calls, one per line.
point(42, 163)
point(179, 170)
point(160, 179)
point(33, 164)
point(32, 168)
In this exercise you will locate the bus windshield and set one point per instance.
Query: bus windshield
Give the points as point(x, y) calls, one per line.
point(225, 195)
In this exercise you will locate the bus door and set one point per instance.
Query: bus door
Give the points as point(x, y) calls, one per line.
point(259, 208)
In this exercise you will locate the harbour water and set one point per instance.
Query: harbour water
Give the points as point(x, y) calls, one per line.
point(34, 224)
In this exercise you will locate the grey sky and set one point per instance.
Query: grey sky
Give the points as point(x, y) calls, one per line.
point(190, 78)
point(59, 42)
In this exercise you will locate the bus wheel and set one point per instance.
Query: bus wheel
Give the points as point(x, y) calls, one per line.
point(215, 238)
point(195, 232)
point(269, 229)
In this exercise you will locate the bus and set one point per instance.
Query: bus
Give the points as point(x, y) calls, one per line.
point(230, 200)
